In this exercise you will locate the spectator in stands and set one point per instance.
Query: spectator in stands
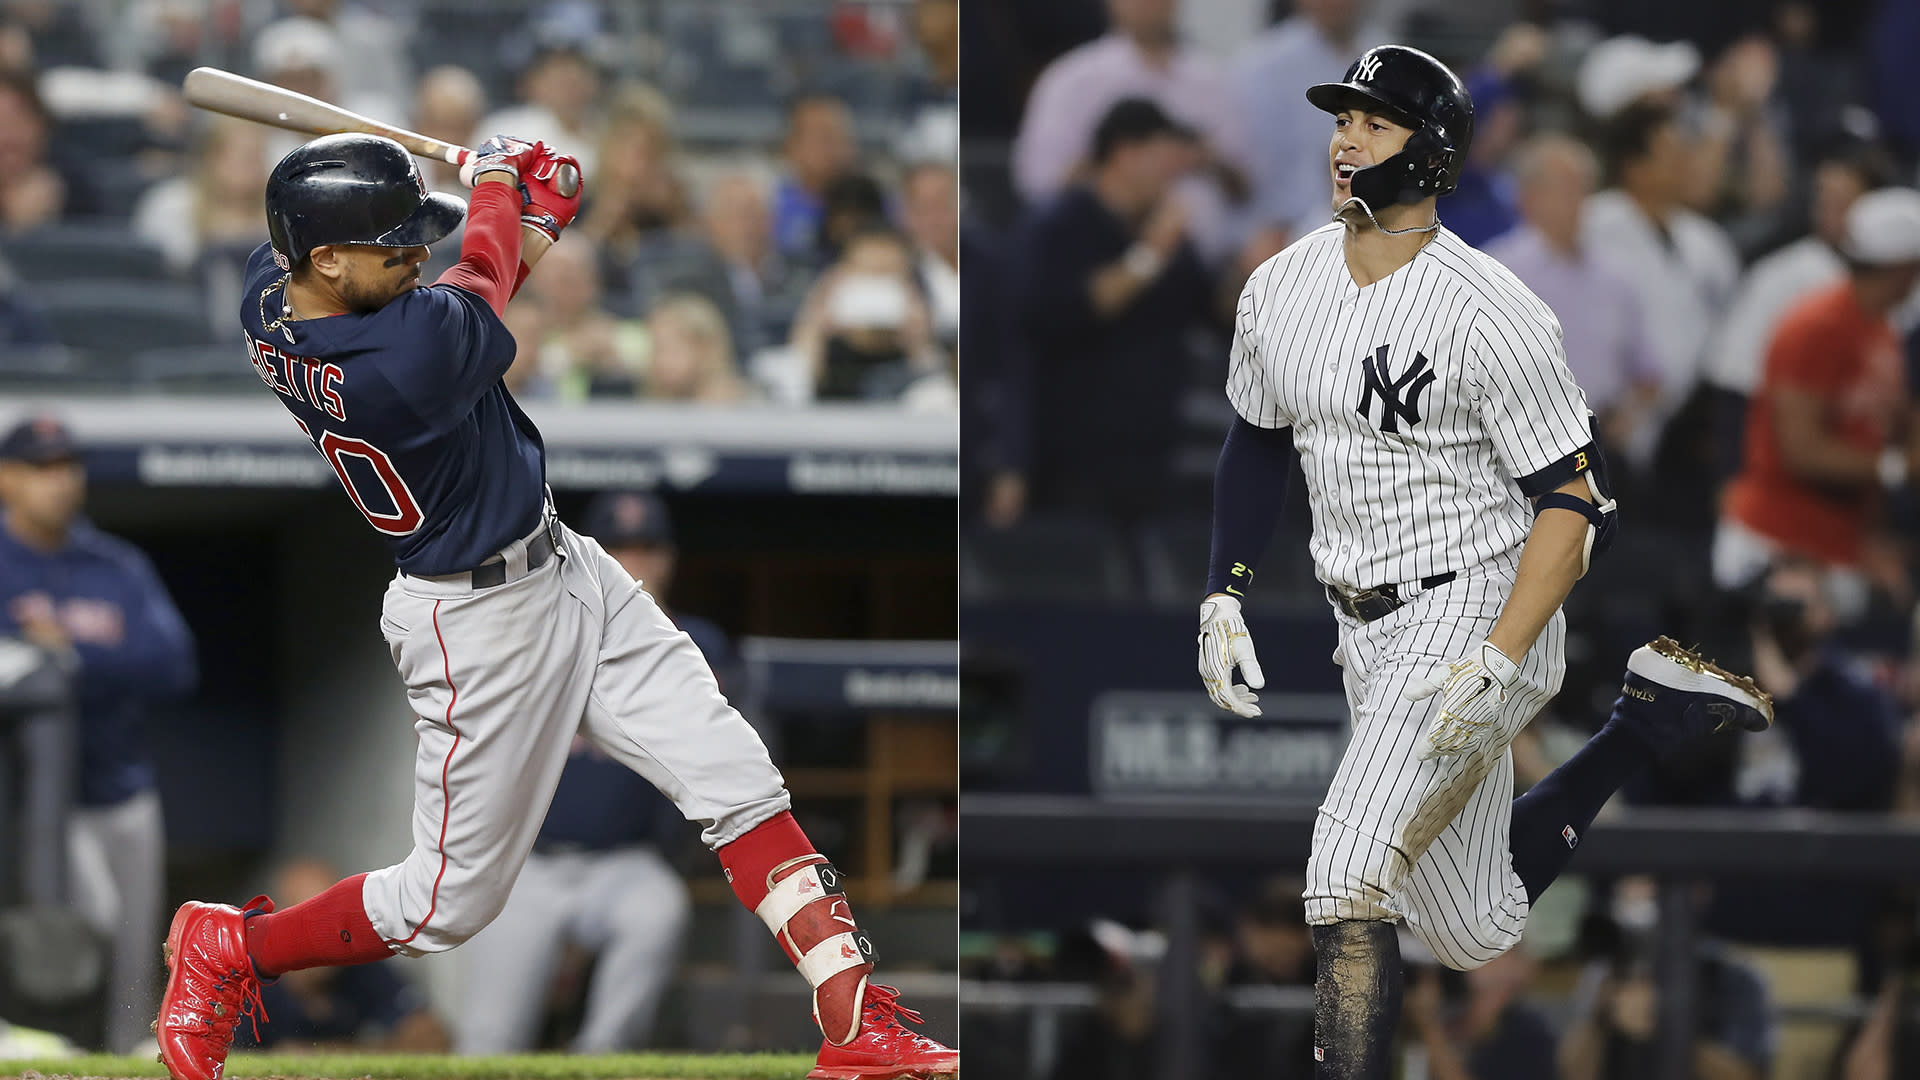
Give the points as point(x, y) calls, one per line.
point(63, 35)
point(162, 38)
point(1494, 1033)
point(377, 43)
point(585, 351)
point(527, 322)
point(559, 90)
point(853, 203)
point(1606, 335)
point(447, 105)
point(1734, 146)
point(819, 148)
point(1745, 130)
point(1615, 1011)
point(209, 222)
point(217, 205)
point(1109, 287)
point(1314, 44)
point(636, 200)
point(690, 356)
point(94, 601)
point(1141, 57)
point(1483, 206)
point(305, 55)
point(755, 285)
point(31, 192)
point(1819, 436)
point(598, 877)
point(1682, 269)
point(933, 128)
point(1772, 286)
point(1834, 745)
point(930, 208)
point(369, 1007)
point(864, 331)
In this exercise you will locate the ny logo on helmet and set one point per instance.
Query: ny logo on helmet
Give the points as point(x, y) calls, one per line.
point(1365, 69)
point(1399, 398)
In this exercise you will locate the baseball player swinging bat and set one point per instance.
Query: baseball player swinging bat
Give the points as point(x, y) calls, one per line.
point(249, 99)
point(515, 635)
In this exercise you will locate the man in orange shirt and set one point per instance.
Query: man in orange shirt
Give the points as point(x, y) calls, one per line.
point(1825, 432)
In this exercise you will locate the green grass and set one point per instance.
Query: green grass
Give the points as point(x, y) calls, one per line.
point(444, 1067)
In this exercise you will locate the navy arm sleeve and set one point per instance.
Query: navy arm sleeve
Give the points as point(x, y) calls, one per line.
point(1249, 491)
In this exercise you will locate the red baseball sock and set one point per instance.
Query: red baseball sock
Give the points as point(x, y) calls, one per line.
point(751, 859)
point(330, 930)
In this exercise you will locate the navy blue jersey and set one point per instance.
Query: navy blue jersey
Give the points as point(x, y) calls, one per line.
point(132, 644)
point(407, 406)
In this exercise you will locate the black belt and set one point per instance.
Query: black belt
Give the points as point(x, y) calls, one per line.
point(1381, 601)
point(539, 550)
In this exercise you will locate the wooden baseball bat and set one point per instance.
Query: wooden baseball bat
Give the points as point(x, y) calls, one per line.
point(249, 99)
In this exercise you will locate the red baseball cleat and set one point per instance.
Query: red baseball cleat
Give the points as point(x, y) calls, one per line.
point(210, 986)
point(883, 1050)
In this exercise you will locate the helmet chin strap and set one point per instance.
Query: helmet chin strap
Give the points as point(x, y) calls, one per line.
point(1433, 226)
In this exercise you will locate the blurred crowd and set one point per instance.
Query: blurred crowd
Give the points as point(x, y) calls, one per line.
point(1718, 202)
point(771, 210)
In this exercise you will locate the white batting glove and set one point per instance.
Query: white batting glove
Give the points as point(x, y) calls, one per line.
point(1224, 645)
point(1472, 689)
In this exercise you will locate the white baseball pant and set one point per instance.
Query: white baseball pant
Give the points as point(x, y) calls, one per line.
point(501, 680)
point(1426, 841)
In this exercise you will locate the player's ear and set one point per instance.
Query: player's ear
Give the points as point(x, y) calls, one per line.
point(326, 261)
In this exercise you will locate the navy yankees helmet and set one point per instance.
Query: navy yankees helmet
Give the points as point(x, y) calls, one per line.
point(1420, 92)
point(353, 189)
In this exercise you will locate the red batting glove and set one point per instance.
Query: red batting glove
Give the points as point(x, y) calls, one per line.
point(501, 153)
point(546, 209)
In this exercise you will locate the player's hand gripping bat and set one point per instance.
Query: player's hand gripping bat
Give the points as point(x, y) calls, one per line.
point(249, 99)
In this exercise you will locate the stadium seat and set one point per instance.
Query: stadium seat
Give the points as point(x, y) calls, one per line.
point(217, 368)
point(70, 252)
point(1046, 558)
point(118, 316)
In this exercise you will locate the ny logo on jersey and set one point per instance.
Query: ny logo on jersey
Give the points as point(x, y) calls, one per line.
point(1399, 398)
point(1364, 71)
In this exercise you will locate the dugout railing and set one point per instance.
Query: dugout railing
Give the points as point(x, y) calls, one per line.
point(1177, 842)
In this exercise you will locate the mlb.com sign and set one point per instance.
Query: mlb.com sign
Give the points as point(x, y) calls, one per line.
point(1147, 744)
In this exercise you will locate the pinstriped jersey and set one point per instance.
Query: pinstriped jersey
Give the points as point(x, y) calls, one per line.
point(1420, 404)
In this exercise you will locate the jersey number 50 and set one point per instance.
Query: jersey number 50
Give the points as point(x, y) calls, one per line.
point(336, 448)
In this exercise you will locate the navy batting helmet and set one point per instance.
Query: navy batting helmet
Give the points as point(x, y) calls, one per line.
point(353, 189)
point(1420, 92)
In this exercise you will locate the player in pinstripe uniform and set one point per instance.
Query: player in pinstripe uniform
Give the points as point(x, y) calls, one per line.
point(1427, 394)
